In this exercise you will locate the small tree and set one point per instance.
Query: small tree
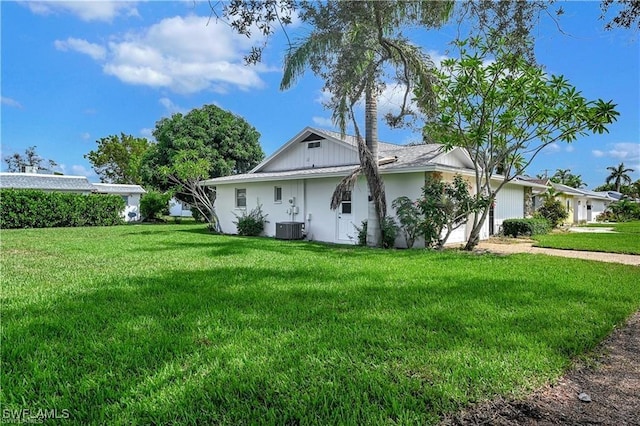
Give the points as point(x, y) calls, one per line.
point(553, 210)
point(186, 172)
point(410, 219)
point(504, 110)
point(17, 162)
point(154, 204)
point(446, 206)
point(118, 159)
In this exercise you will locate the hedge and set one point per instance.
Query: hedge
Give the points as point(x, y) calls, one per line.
point(525, 227)
point(30, 208)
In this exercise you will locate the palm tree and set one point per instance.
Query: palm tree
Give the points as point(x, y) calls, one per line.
point(619, 176)
point(348, 47)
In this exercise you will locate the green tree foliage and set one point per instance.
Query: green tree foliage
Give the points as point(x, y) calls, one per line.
point(29, 208)
point(153, 205)
point(17, 162)
point(619, 176)
point(118, 159)
point(355, 48)
point(227, 142)
point(205, 143)
point(621, 211)
point(504, 110)
point(553, 211)
point(628, 15)
point(442, 208)
point(565, 177)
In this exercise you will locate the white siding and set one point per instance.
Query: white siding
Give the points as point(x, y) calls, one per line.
point(299, 156)
point(509, 205)
point(397, 185)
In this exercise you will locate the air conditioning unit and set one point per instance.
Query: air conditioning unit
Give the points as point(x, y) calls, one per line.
point(289, 230)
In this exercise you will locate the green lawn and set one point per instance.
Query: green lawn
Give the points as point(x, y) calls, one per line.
point(626, 240)
point(169, 324)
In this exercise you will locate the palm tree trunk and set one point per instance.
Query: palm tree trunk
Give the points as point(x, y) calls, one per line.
point(374, 217)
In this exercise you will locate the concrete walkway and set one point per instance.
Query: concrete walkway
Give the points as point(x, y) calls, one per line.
point(527, 247)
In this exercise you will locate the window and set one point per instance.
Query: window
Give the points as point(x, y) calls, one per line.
point(345, 206)
point(313, 145)
point(241, 198)
point(277, 194)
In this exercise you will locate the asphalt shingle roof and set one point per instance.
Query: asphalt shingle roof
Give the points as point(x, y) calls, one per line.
point(113, 188)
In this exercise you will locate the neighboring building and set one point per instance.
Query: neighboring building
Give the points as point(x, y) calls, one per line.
point(583, 206)
point(48, 183)
point(76, 184)
point(131, 195)
point(294, 186)
point(178, 208)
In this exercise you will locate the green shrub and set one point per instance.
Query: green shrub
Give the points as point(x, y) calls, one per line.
point(154, 204)
point(252, 223)
point(389, 230)
point(29, 208)
point(525, 227)
point(553, 211)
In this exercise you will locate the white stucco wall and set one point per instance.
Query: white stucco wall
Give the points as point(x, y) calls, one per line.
point(132, 207)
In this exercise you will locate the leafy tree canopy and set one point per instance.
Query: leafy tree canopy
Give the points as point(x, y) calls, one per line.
point(504, 111)
point(223, 142)
point(565, 177)
point(118, 159)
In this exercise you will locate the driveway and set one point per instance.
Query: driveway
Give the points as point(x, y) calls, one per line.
point(527, 247)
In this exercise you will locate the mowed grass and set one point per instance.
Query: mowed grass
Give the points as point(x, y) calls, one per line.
point(626, 240)
point(169, 324)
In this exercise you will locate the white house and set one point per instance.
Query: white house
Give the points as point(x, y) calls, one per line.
point(76, 184)
point(131, 195)
point(178, 208)
point(294, 187)
point(583, 206)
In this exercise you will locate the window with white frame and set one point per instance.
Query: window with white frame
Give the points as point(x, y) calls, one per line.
point(277, 194)
point(241, 198)
point(311, 145)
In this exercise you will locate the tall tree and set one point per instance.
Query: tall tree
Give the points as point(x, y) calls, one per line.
point(205, 143)
point(504, 111)
point(619, 176)
point(565, 177)
point(349, 46)
point(118, 159)
point(17, 162)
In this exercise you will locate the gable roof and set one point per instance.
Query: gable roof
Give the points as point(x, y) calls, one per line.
point(564, 189)
point(397, 159)
point(45, 182)
point(115, 188)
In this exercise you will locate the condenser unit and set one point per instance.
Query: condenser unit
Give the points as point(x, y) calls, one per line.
point(289, 230)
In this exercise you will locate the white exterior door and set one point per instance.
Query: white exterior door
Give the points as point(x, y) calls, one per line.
point(346, 230)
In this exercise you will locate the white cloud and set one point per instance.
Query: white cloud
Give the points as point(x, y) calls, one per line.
point(96, 51)
point(323, 121)
point(552, 148)
point(78, 170)
point(182, 54)
point(10, 102)
point(86, 10)
point(627, 151)
point(85, 136)
point(146, 133)
point(570, 148)
point(171, 107)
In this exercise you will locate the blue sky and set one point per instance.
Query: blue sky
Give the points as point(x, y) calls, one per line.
point(74, 72)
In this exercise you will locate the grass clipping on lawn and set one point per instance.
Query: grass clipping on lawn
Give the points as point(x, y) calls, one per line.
point(168, 323)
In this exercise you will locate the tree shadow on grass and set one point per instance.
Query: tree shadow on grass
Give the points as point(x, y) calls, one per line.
point(243, 344)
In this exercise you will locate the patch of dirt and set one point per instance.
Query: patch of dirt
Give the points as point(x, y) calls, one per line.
point(610, 378)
